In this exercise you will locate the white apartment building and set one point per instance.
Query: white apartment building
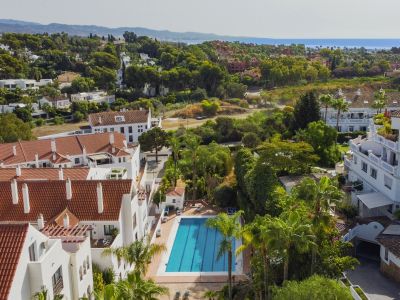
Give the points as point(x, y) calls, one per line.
point(360, 110)
point(373, 168)
point(131, 123)
point(103, 149)
point(23, 84)
point(115, 212)
point(95, 97)
point(33, 261)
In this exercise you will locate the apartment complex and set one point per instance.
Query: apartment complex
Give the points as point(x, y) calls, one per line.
point(130, 123)
point(23, 84)
point(33, 261)
point(360, 109)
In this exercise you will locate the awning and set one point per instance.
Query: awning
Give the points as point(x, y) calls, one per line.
point(98, 156)
point(373, 200)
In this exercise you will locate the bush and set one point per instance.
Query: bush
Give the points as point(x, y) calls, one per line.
point(58, 120)
point(78, 116)
point(225, 195)
point(108, 276)
point(198, 95)
point(348, 210)
point(251, 140)
point(210, 108)
point(39, 122)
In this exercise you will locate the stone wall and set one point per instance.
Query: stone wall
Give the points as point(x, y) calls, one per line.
point(391, 270)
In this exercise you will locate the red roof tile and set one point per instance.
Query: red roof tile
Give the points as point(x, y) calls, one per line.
point(177, 191)
point(7, 174)
point(12, 238)
point(49, 198)
point(109, 118)
point(70, 145)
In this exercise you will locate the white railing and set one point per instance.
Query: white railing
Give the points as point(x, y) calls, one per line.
point(387, 167)
point(347, 162)
point(373, 157)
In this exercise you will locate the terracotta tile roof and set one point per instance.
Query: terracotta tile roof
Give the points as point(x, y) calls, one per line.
point(70, 145)
point(12, 238)
point(177, 191)
point(7, 174)
point(390, 241)
point(109, 118)
point(49, 198)
point(73, 234)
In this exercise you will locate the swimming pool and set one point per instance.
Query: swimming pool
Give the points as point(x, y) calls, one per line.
point(195, 248)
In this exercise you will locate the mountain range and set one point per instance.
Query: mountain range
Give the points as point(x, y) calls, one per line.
point(17, 26)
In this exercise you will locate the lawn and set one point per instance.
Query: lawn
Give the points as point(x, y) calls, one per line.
point(53, 129)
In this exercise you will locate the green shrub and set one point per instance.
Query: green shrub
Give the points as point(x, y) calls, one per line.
point(39, 122)
point(58, 120)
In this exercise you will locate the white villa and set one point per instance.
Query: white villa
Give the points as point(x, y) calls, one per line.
point(131, 123)
point(95, 97)
point(23, 84)
point(59, 102)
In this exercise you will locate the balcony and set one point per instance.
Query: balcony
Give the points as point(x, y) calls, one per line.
point(102, 243)
point(58, 286)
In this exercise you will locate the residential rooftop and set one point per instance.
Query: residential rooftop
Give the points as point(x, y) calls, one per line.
point(118, 117)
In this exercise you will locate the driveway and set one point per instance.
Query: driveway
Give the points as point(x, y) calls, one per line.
point(374, 284)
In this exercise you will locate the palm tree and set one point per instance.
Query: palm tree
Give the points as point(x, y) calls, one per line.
point(341, 106)
point(139, 253)
point(286, 232)
point(42, 295)
point(255, 235)
point(135, 287)
point(326, 100)
point(230, 228)
point(192, 144)
point(380, 101)
point(320, 195)
point(211, 295)
point(175, 147)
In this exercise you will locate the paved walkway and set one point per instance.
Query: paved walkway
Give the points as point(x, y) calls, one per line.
point(374, 284)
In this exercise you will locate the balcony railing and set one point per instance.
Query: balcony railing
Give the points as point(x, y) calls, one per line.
point(58, 286)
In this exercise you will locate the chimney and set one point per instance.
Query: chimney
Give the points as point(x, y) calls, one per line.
point(53, 145)
point(37, 160)
point(25, 196)
point(14, 150)
point(66, 221)
point(68, 189)
point(18, 171)
point(14, 191)
point(60, 173)
point(84, 153)
point(40, 222)
point(54, 156)
point(100, 120)
point(100, 205)
point(112, 138)
point(112, 149)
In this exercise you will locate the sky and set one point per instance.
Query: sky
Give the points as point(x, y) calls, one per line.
point(253, 18)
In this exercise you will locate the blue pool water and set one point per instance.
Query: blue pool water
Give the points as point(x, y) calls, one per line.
point(195, 249)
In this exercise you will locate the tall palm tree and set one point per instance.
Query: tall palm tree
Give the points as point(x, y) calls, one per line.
point(326, 100)
point(230, 228)
point(140, 253)
point(286, 232)
point(255, 234)
point(175, 147)
point(380, 100)
point(340, 105)
point(192, 144)
point(320, 195)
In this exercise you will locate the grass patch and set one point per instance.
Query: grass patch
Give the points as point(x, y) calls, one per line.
point(360, 293)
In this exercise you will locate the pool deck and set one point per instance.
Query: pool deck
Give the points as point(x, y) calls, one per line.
point(196, 284)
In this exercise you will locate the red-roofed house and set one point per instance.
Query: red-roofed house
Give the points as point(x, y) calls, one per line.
point(175, 197)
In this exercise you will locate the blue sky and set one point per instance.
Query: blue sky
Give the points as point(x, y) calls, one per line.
point(256, 18)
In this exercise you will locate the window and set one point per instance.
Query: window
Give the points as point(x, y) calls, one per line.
point(373, 173)
point(355, 159)
point(130, 129)
point(122, 130)
point(363, 128)
point(173, 200)
point(388, 182)
point(105, 130)
point(119, 119)
point(77, 160)
point(386, 254)
point(130, 139)
point(340, 128)
point(112, 129)
point(364, 167)
point(108, 229)
point(351, 128)
point(57, 281)
point(32, 252)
